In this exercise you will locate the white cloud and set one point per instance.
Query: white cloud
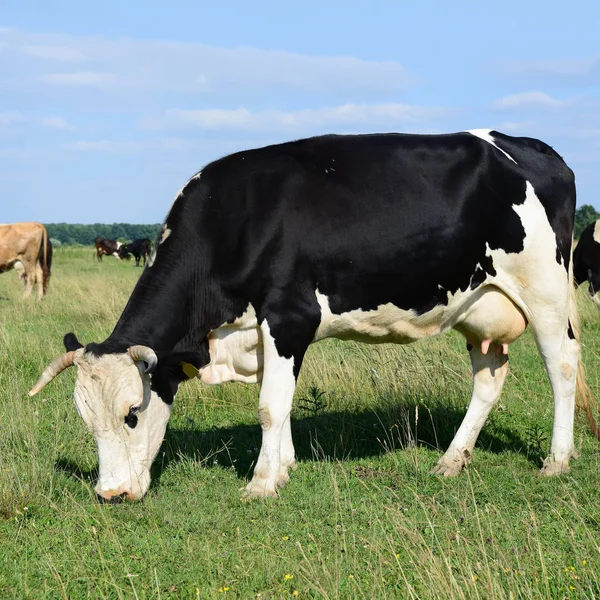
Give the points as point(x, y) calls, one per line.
point(56, 123)
point(527, 100)
point(356, 116)
point(80, 78)
point(54, 52)
point(193, 67)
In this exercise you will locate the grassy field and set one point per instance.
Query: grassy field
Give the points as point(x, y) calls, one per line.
point(362, 516)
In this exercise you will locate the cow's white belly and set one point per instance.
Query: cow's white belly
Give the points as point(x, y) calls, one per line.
point(387, 323)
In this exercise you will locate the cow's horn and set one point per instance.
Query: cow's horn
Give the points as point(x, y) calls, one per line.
point(146, 354)
point(56, 366)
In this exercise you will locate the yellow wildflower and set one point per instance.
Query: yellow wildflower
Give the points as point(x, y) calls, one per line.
point(287, 577)
point(475, 578)
point(285, 538)
point(584, 562)
point(295, 593)
point(350, 576)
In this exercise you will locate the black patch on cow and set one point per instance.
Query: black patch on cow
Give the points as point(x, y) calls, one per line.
point(71, 342)
point(570, 331)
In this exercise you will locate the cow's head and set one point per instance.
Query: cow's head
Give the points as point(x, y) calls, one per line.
point(125, 400)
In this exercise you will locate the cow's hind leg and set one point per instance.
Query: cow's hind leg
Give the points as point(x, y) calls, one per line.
point(489, 373)
point(39, 278)
point(561, 357)
point(29, 282)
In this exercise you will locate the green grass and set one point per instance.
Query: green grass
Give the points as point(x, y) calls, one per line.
point(361, 518)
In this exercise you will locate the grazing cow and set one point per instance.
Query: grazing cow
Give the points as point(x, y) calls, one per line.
point(140, 248)
point(374, 238)
point(26, 248)
point(105, 246)
point(586, 260)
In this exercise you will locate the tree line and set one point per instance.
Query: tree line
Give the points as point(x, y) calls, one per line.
point(72, 234)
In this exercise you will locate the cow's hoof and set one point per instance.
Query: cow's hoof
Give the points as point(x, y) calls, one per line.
point(283, 480)
point(447, 470)
point(452, 463)
point(554, 467)
point(284, 477)
point(259, 488)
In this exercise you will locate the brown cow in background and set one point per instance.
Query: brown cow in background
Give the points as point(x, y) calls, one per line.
point(26, 247)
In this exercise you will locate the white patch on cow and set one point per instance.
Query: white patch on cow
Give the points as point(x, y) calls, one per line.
point(597, 232)
point(165, 234)
point(386, 323)
point(181, 192)
point(485, 134)
point(236, 351)
point(152, 256)
point(533, 272)
point(105, 389)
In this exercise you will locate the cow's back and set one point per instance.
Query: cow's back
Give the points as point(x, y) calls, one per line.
point(376, 218)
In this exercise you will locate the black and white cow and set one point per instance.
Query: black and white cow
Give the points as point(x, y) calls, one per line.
point(140, 249)
point(375, 238)
point(586, 260)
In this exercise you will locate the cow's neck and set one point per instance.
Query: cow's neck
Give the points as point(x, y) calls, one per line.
point(172, 310)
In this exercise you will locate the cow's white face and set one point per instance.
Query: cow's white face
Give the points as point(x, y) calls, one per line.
point(127, 419)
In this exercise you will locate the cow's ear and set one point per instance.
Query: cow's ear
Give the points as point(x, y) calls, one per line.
point(71, 342)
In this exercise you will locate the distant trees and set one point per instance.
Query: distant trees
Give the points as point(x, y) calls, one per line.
point(584, 215)
point(70, 234)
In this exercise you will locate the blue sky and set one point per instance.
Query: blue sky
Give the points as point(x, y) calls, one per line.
point(105, 111)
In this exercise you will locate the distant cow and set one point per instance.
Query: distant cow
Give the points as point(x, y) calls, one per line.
point(104, 246)
point(586, 260)
point(26, 247)
point(139, 248)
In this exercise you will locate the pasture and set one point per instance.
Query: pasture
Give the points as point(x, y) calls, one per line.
point(362, 516)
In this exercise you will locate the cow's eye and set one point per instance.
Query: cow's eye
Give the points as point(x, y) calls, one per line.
point(131, 418)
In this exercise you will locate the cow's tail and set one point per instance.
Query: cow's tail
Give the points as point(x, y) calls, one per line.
point(583, 394)
point(45, 259)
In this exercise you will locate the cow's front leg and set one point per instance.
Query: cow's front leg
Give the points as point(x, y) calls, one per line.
point(274, 407)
